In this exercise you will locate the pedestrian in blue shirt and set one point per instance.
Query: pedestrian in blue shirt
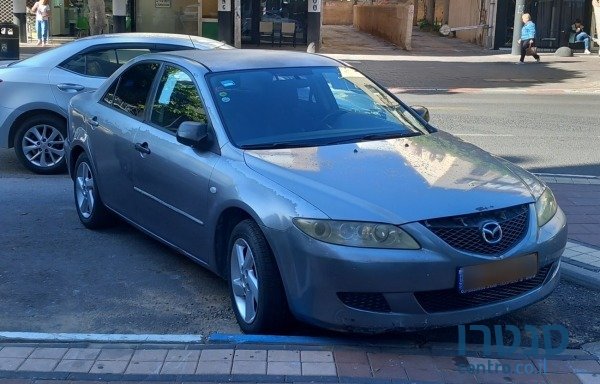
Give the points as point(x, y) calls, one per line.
point(527, 39)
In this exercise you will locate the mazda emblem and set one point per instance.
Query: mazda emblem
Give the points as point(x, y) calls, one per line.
point(491, 232)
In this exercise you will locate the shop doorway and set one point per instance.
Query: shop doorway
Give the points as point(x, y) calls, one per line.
point(274, 15)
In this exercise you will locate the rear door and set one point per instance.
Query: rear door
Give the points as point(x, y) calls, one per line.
point(112, 126)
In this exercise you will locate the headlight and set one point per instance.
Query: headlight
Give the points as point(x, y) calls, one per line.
point(545, 207)
point(357, 234)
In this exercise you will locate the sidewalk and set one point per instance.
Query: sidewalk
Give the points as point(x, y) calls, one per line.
point(449, 65)
point(281, 362)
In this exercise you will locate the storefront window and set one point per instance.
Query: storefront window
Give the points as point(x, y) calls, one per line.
point(177, 16)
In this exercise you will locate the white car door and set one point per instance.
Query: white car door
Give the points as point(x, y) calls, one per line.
point(66, 84)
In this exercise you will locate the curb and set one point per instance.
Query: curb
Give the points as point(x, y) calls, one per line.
point(98, 338)
point(580, 276)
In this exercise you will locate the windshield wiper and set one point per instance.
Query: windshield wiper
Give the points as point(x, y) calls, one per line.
point(278, 145)
point(374, 137)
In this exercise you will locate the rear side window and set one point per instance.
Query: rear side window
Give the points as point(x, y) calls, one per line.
point(132, 88)
point(101, 63)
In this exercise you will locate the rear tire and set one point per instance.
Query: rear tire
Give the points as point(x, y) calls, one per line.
point(91, 210)
point(257, 295)
point(40, 144)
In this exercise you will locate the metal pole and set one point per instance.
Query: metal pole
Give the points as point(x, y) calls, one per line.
point(237, 23)
point(119, 16)
point(519, 10)
point(19, 10)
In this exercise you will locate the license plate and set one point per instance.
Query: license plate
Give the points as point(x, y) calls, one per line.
point(489, 275)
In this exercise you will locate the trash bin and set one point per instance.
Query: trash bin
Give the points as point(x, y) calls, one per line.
point(9, 41)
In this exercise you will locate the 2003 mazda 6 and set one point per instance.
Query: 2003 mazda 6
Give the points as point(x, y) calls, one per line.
point(313, 191)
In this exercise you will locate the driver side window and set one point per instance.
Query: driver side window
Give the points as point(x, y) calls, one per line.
point(177, 100)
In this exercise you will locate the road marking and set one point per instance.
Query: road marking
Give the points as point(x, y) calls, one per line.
point(99, 337)
point(447, 108)
point(484, 134)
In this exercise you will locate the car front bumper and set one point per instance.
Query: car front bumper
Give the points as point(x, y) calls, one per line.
point(377, 290)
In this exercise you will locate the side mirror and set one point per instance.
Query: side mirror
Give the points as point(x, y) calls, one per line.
point(192, 133)
point(422, 111)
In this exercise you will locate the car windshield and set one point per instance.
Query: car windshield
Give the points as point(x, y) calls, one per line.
point(301, 107)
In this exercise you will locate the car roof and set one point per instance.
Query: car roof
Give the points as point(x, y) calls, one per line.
point(147, 36)
point(232, 60)
point(54, 56)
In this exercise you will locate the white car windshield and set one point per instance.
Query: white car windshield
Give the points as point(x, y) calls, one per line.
point(298, 107)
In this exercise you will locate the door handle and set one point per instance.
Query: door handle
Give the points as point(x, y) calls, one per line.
point(68, 87)
point(93, 121)
point(142, 147)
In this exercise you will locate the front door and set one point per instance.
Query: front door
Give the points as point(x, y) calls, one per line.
point(171, 179)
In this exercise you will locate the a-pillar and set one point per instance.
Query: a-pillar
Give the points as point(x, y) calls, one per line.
point(20, 19)
point(119, 10)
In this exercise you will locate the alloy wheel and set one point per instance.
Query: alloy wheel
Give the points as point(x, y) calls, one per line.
point(84, 190)
point(43, 145)
point(244, 280)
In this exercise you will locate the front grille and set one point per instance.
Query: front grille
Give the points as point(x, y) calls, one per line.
point(366, 301)
point(452, 300)
point(465, 232)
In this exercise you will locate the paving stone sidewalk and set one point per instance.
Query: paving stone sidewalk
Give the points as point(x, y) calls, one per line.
point(435, 363)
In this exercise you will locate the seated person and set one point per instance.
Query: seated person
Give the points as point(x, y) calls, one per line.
point(580, 35)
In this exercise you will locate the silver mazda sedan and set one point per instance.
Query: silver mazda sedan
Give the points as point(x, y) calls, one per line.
point(35, 93)
point(313, 191)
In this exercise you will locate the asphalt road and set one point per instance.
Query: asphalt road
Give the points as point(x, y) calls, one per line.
point(550, 134)
point(57, 276)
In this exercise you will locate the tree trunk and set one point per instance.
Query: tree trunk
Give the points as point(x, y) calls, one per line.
point(97, 17)
point(430, 10)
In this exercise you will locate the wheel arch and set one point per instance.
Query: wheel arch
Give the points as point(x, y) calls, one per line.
point(28, 115)
point(227, 220)
point(76, 151)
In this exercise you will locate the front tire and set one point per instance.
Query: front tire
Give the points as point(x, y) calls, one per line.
point(257, 294)
point(91, 210)
point(40, 144)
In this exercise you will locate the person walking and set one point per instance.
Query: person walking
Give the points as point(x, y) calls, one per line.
point(527, 40)
point(580, 35)
point(41, 9)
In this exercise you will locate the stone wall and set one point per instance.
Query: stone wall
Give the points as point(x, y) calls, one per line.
point(465, 13)
point(338, 12)
point(392, 22)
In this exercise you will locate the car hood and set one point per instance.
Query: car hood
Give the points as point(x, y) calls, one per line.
point(395, 181)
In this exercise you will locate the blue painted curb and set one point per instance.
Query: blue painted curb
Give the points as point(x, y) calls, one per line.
point(225, 338)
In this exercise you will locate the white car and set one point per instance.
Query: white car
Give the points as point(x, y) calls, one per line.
point(35, 92)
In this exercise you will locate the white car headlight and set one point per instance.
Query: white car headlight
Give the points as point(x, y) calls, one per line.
point(545, 207)
point(357, 234)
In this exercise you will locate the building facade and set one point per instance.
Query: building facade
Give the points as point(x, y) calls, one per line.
point(553, 20)
point(215, 19)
